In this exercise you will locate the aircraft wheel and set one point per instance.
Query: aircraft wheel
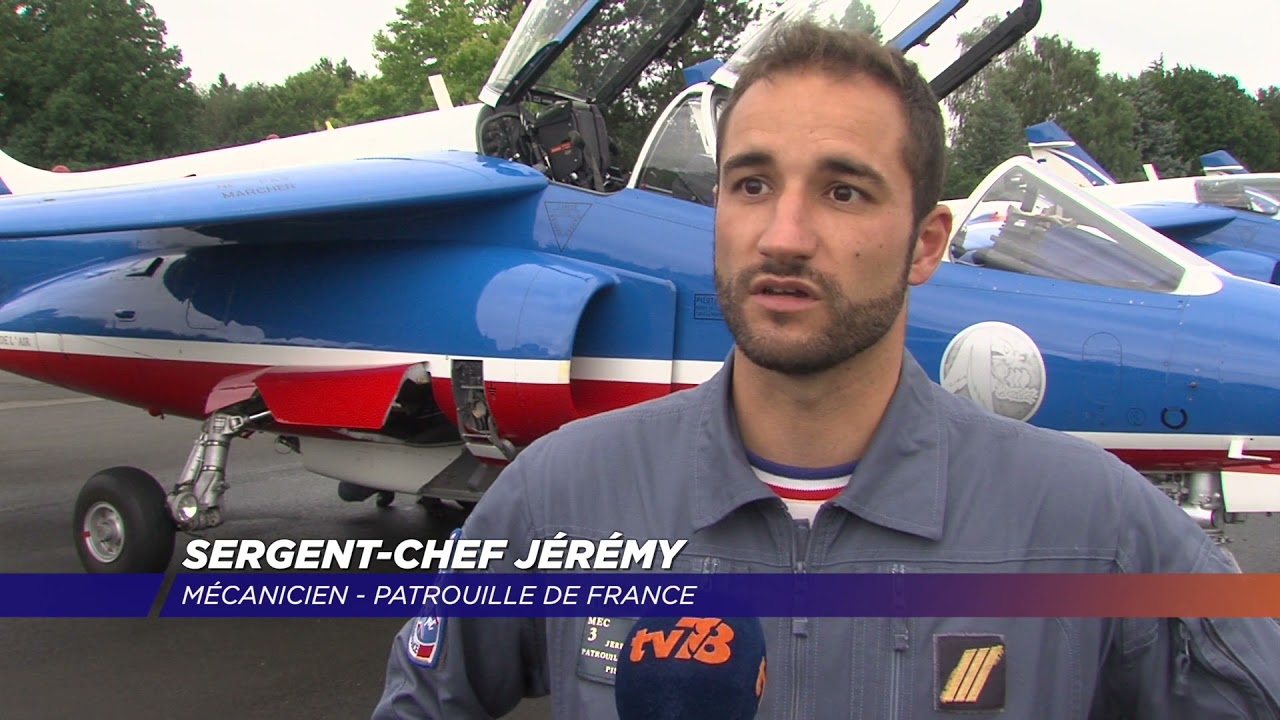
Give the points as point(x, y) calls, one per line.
point(385, 498)
point(435, 506)
point(122, 523)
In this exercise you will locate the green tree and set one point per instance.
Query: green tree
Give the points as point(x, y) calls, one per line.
point(986, 127)
point(375, 98)
point(459, 39)
point(978, 88)
point(1107, 127)
point(232, 115)
point(1049, 78)
point(303, 103)
point(991, 133)
point(89, 83)
point(306, 100)
point(1156, 132)
point(861, 15)
point(1269, 103)
point(716, 35)
point(1061, 82)
point(1212, 112)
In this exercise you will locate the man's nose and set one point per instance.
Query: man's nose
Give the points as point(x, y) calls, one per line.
point(790, 229)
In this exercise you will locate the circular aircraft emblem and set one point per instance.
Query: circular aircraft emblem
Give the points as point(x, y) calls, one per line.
point(997, 366)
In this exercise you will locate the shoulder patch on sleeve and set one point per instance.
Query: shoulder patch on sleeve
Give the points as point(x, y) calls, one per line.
point(426, 641)
point(969, 673)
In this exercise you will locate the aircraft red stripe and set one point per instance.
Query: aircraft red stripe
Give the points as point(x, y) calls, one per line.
point(179, 387)
point(165, 386)
point(1183, 459)
point(596, 396)
point(27, 363)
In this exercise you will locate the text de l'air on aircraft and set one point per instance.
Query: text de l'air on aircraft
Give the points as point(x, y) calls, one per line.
point(1229, 216)
point(407, 321)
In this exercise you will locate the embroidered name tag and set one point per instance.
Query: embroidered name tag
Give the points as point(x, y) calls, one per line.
point(602, 641)
point(969, 672)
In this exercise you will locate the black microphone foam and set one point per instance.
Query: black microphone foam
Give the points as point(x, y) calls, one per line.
point(691, 669)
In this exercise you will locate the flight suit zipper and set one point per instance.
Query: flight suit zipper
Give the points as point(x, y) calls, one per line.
point(1182, 662)
point(900, 641)
point(799, 625)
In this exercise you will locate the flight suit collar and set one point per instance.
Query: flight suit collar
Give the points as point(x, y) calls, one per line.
point(900, 482)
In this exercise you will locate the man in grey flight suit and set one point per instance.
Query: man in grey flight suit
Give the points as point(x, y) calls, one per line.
point(831, 165)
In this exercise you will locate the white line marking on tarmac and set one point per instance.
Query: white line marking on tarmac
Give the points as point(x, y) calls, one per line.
point(24, 404)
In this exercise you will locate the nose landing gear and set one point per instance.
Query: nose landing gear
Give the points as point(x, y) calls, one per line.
point(124, 522)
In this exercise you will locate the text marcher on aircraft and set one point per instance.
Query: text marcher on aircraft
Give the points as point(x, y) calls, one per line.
point(822, 446)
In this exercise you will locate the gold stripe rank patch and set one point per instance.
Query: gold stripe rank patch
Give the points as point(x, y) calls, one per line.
point(969, 672)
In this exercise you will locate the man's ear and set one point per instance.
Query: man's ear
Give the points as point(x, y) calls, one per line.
point(930, 244)
point(715, 195)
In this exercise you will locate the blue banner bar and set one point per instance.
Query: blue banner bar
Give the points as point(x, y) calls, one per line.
point(47, 595)
point(403, 595)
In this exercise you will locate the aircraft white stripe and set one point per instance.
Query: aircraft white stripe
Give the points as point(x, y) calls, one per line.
point(1163, 441)
point(655, 372)
point(540, 372)
point(216, 352)
point(18, 341)
point(645, 371)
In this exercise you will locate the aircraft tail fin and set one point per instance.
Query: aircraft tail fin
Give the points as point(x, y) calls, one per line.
point(17, 177)
point(1222, 162)
point(1053, 147)
point(5, 162)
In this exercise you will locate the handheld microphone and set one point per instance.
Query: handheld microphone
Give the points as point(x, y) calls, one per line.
point(691, 669)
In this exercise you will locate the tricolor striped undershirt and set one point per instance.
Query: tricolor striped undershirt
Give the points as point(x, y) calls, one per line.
point(802, 489)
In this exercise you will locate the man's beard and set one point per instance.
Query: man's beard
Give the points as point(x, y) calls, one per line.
point(854, 326)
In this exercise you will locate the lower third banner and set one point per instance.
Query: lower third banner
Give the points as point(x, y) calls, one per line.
point(637, 594)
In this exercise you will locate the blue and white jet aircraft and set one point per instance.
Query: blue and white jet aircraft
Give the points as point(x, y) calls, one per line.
point(1221, 162)
point(1229, 216)
point(408, 320)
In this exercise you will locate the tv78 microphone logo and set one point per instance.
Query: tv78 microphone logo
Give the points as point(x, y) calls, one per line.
point(704, 639)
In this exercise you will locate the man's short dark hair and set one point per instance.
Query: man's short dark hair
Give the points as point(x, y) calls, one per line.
point(844, 54)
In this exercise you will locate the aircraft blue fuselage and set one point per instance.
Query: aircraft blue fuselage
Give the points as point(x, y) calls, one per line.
point(1243, 243)
point(564, 273)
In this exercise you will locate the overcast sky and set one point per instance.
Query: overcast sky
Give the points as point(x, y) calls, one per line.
point(268, 40)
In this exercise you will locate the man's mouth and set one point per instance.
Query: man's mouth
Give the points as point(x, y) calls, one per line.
point(783, 286)
point(784, 291)
point(784, 294)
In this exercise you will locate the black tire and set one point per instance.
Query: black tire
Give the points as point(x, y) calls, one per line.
point(129, 500)
point(385, 498)
point(435, 506)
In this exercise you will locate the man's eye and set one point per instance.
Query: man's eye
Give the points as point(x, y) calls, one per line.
point(844, 194)
point(752, 186)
